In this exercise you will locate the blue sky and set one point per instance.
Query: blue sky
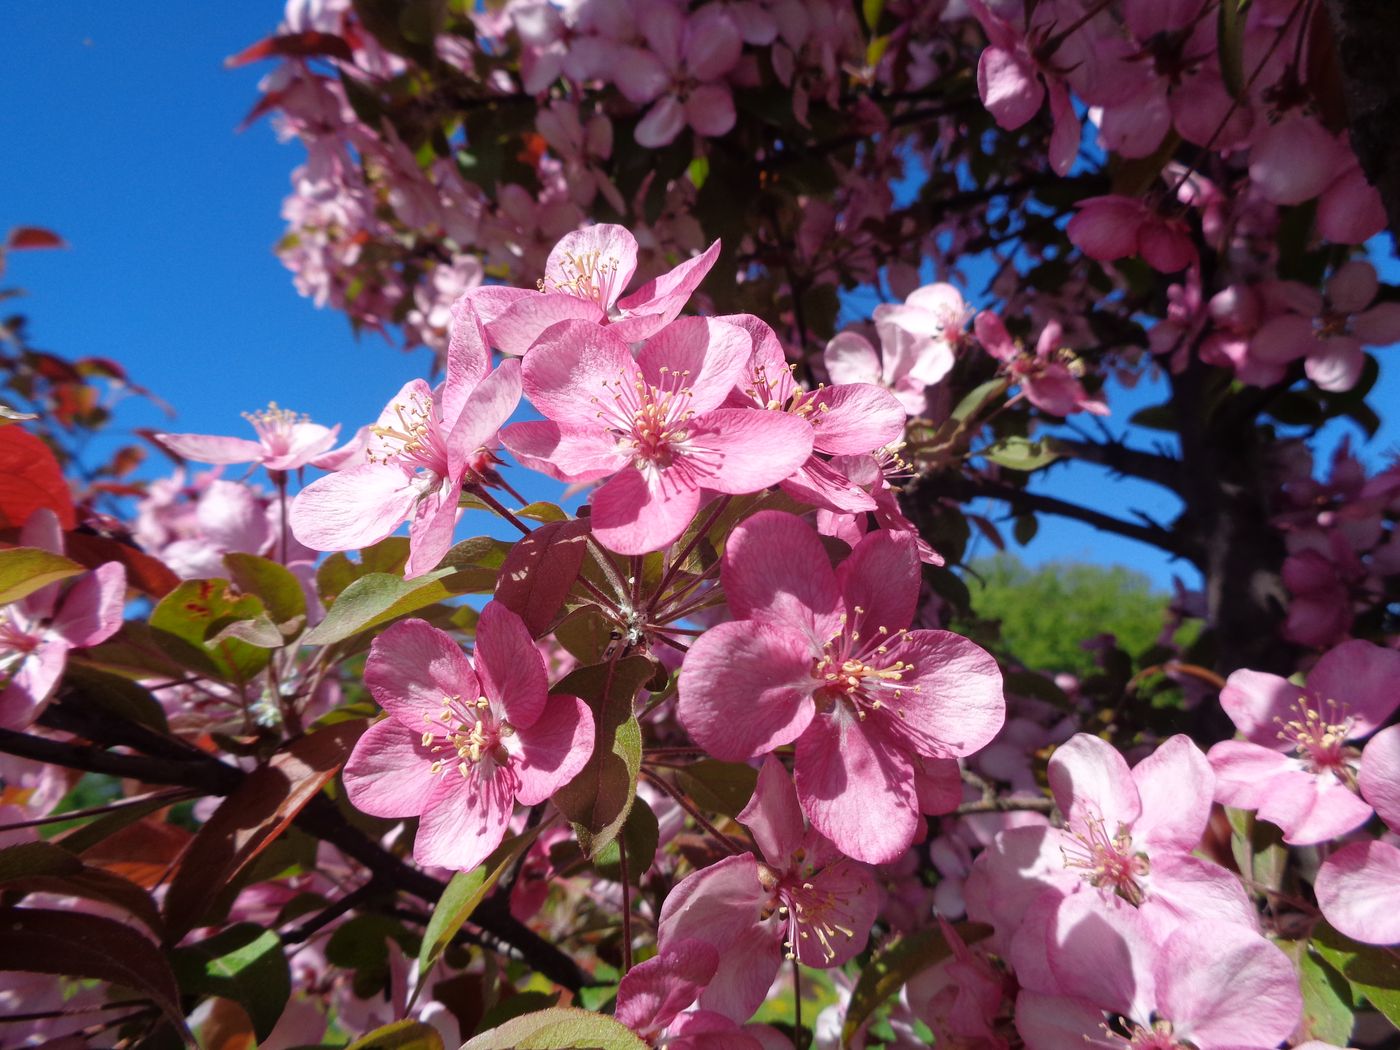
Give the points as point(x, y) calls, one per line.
point(120, 132)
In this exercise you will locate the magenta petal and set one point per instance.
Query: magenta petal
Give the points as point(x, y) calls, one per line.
point(353, 508)
point(1357, 888)
point(855, 418)
point(745, 689)
point(954, 704)
point(465, 818)
point(1106, 228)
point(712, 43)
point(1176, 787)
point(208, 448)
point(798, 590)
point(654, 992)
point(710, 110)
point(992, 334)
point(1282, 339)
point(849, 914)
point(1223, 985)
point(1091, 782)
point(553, 749)
point(880, 582)
point(703, 355)
point(573, 368)
point(565, 451)
point(509, 667)
point(1336, 364)
point(773, 815)
point(1364, 678)
point(91, 611)
point(631, 516)
point(817, 484)
point(641, 77)
point(743, 450)
point(1378, 326)
point(1009, 87)
point(714, 905)
point(1379, 778)
point(938, 784)
point(844, 775)
point(663, 122)
point(389, 774)
point(412, 667)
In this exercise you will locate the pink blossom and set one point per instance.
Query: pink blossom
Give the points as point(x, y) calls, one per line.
point(873, 474)
point(37, 631)
point(803, 900)
point(462, 745)
point(1294, 160)
point(286, 441)
point(1113, 227)
point(1295, 765)
point(1045, 377)
point(1357, 888)
point(426, 445)
point(652, 426)
point(584, 279)
point(1203, 985)
point(822, 659)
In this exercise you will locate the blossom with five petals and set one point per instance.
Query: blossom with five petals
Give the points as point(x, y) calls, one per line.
point(286, 441)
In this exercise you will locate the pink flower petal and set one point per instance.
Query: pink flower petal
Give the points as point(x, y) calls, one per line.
point(652, 993)
point(1091, 783)
point(1363, 677)
point(1352, 287)
point(742, 450)
point(1176, 787)
point(1336, 364)
point(773, 815)
point(352, 508)
point(1244, 772)
point(745, 689)
point(1378, 326)
point(522, 323)
point(28, 691)
point(1256, 702)
point(1009, 87)
point(1379, 777)
point(483, 413)
point(712, 43)
point(658, 302)
point(569, 452)
point(1312, 808)
point(705, 355)
point(640, 76)
point(1101, 950)
point(1222, 985)
point(850, 358)
point(855, 418)
point(465, 818)
point(509, 667)
point(389, 774)
point(608, 247)
point(663, 122)
point(710, 110)
point(209, 448)
point(91, 611)
point(575, 366)
point(633, 516)
point(553, 749)
point(880, 582)
point(994, 337)
point(850, 915)
point(1357, 888)
point(430, 532)
point(468, 360)
point(412, 667)
point(954, 705)
point(798, 590)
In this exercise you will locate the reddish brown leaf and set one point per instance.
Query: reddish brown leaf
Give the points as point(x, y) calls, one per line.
point(72, 944)
point(142, 852)
point(251, 818)
point(30, 478)
point(98, 885)
point(539, 570)
point(143, 572)
point(306, 44)
point(33, 237)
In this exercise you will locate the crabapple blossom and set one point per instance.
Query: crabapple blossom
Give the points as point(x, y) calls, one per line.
point(821, 658)
point(1046, 378)
point(462, 743)
point(286, 441)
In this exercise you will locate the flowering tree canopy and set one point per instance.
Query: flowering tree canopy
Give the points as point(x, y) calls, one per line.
point(796, 297)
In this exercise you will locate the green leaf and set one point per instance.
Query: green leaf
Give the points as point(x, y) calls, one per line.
point(401, 1035)
point(1372, 971)
point(23, 570)
point(379, 597)
point(463, 895)
point(1258, 848)
point(337, 572)
point(977, 399)
point(541, 511)
point(699, 171)
point(115, 696)
point(1327, 1014)
point(597, 801)
point(244, 963)
point(197, 611)
point(585, 634)
point(1229, 32)
point(279, 590)
point(640, 834)
point(894, 964)
point(562, 1028)
point(1019, 453)
point(720, 787)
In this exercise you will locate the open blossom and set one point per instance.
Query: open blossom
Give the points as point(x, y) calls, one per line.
point(37, 631)
point(873, 474)
point(426, 445)
point(1046, 377)
point(1296, 765)
point(286, 441)
point(584, 278)
point(803, 900)
point(652, 426)
point(824, 659)
point(1113, 227)
point(463, 744)
point(1206, 986)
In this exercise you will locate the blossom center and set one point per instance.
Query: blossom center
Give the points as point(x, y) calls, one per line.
point(587, 275)
point(414, 441)
point(860, 676)
point(466, 735)
point(276, 427)
point(809, 915)
point(1157, 1036)
point(650, 422)
point(1106, 861)
point(1318, 736)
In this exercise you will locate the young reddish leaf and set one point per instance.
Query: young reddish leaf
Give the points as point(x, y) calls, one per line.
point(307, 44)
point(144, 573)
point(539, 571)
point(30, 478)
point(143, 852)
point(22, 237)
point(95, 884)
point(251, 818)
point(71, 944)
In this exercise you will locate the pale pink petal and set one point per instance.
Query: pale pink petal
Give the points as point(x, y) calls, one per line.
point(1244, 772)
point(1189, 889)
point(659, 301)
point(742, 450)
point(880, 583)
point(710, 110)
point(524, 321)
point(706, 356)
point(1357, 888)
point(1363, 677)
point(712, 43)
point(28, 691)
point(491, 300)
point(1336, 364)
point(307, 441)
point(1312, 808)
point(389, 774)
point(855, 418)
point(1101, 949)
point(1257, 702)
point(1091, 782)
point(1225, 986)
point(483, 413)
point(573, 368)
point(468, 360)
point(611, 247)
point(569, 452)
point(954, 704)
point(91, 611)
point(844, 775)
point(850, 358)
point(745, 689)
point(43, 530)
point(347, 455)
point(352, 508)
point(798, 590)
point(1176, 787)
point(413, 667)
point(208, 448)
point(465, 818)
point(640, 76)
point(553, 749)
point(773, 815)
point(509, 667)
point(430, 532)
point(1379, 777)
point(631, 516)
point(1009, 87)
point(1294, 160)
point(1052, 1022)
point(662, 123)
